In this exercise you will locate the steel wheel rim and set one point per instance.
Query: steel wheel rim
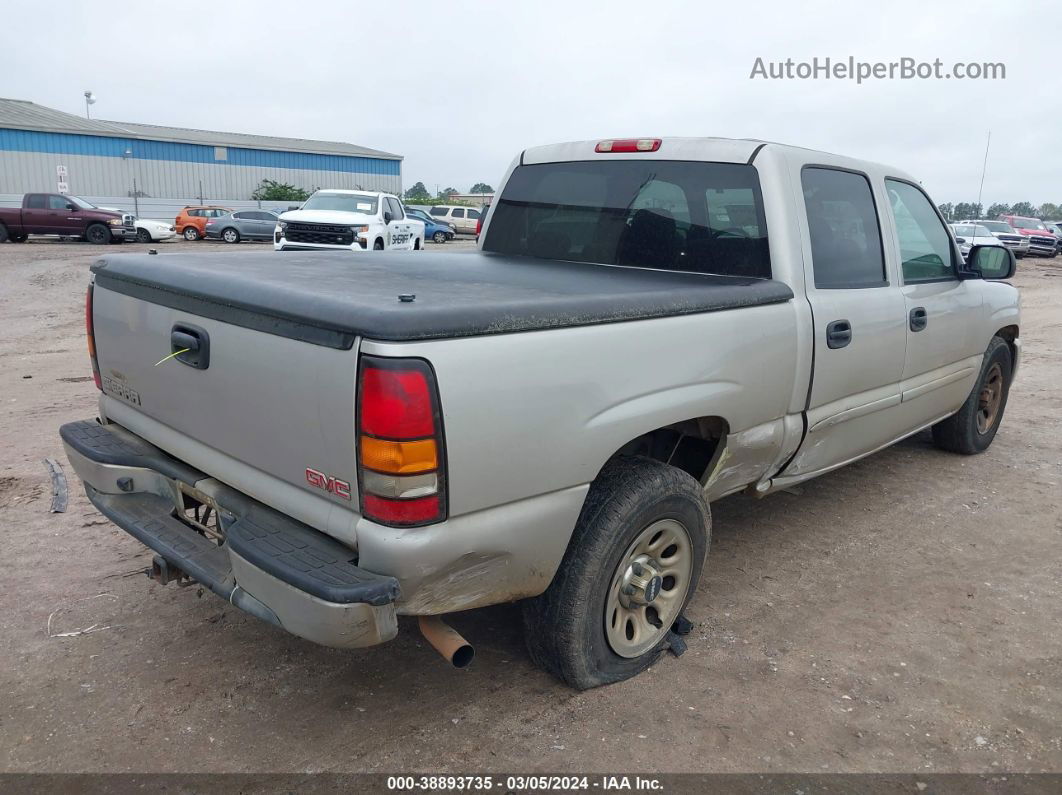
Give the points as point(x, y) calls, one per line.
point(990, 399)
point(648, 588)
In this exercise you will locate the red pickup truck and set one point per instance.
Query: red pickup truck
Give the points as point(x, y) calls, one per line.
point(69, 216)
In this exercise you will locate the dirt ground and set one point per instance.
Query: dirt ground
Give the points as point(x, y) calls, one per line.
point(901, 614)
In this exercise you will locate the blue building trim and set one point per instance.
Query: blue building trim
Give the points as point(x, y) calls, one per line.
point(106, 146)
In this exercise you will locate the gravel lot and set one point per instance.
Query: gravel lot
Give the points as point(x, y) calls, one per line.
point(901, 614)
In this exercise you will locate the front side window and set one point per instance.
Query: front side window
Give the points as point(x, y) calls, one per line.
point(926, 249)
point(57, 203)
point(438, 211)
point(846, 247)
point(459, 213)
point(665, 214)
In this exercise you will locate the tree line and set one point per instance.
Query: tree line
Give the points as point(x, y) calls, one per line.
point(968, 211)
point(419, 193)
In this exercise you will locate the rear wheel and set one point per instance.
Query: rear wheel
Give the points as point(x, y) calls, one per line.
point(190, 233)
point(439, 237)
point(972, 429)
point(630, 569)
point(378, 245)
point(230, 235)
point(4, 235)
point(98, 234)
point(143, 236)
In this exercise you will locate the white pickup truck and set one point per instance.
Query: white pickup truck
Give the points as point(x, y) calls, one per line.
point(651, 325)
point(348, 219)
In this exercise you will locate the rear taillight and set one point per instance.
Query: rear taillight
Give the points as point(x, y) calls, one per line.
point(401, 461)
point(91, 336)
point(479, 225)
point(628, 145)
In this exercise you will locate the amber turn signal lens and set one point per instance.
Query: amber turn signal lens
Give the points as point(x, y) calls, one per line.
point(398, 458)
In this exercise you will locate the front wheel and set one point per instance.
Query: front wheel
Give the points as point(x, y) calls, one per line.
point(230, 235)
point(439, 237)
point(632, 565)
point(98, 234)
point(378, 245)
point(143, 236)
point(190, 233)
point(973, 427)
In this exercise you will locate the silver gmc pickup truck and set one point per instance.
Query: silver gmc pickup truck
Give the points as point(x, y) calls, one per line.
point(650, 325)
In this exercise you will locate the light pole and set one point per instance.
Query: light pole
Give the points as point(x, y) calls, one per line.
point(90, 99)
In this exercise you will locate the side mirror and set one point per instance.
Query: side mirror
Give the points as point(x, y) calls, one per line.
point(989, 262)
point(388, 218)
point(71, 206)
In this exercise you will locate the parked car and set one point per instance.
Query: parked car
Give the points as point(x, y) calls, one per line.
point(242, 225)
point(421, 215)
point(1041, 241)
point(970, 235)
point(149, 230)
point(348, 219)
point(191, 221)
point(1005, 233)
point(464, 219)
point(1055, 228)
point(66, 216)
point(545, 421)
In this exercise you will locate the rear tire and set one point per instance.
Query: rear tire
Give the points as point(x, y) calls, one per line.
point(190, 233)
point(378, 245)
point(4, 235)
point(439, 237)
point(581, 630)
point(973, 427)
point(143, 236)
point(98, 234)
point(230, 235)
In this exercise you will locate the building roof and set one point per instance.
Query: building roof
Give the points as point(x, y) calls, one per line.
point(24, 115)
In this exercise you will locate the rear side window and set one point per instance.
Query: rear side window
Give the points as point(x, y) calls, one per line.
point(846, 247)
point(670, 215)
point(925, 245)
point(473, 213)
point(35, 202)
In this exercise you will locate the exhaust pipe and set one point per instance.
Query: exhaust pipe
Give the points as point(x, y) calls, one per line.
point(447, 641)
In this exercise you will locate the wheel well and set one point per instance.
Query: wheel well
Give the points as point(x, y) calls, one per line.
point(692, 445)
point(1009, 334)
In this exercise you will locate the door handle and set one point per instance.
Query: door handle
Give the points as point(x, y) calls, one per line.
point(838, 334)
point(919, 318)
point(193, 344)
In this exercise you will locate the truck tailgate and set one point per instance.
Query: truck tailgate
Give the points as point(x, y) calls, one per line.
point(278, 405)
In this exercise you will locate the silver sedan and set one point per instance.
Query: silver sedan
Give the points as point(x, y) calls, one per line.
point(242, 225)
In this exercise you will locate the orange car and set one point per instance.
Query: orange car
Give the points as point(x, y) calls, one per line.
point(191, 221)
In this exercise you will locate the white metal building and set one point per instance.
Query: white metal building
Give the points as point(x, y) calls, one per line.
point(46, 150)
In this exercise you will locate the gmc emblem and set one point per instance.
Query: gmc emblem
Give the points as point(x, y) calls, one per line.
point(320, 480)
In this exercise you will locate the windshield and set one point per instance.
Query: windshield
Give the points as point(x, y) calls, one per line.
point(998, 226)
point(343, 202)
point(672, 215)
point(84, 205)
point(1028, 223)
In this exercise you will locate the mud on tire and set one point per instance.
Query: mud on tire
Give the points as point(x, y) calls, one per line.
point(973, 427)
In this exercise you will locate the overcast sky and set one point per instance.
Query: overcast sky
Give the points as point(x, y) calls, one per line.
point(459, 88)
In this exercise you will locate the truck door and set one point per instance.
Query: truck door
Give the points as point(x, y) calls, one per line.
point(64, 220)
point(859, 317)
point(943, 354)
point(398, 228)
point(36, 216)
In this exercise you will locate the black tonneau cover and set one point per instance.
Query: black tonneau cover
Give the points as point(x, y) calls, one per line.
point(330, 298)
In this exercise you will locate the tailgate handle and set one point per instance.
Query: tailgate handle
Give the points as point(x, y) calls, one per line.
point(195, 344)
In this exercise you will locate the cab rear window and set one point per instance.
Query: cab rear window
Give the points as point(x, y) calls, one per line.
point(670, 215)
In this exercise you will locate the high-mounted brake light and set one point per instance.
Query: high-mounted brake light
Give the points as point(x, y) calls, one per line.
point(401, 462)
point(628, 145)
point(90, 335)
